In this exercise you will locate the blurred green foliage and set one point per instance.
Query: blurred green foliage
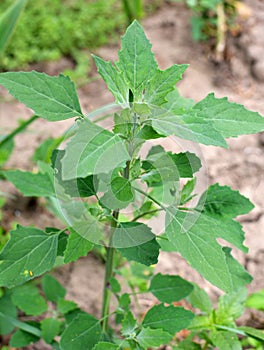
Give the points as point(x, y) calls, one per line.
point(49, 29)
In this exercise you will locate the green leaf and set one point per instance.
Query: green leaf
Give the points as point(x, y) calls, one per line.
point(187, 127)
point(29, 253)
point(135, 241)
point(8, 21)
point(113, 78)
point(28, 299)
point(230, 119)
point(194, 237)
point(119, 194)
point(6, 150)
point(115, 285)
point(50, 327)
point(177, 104)
point(7, 309)
point(65, 306)
point(21, 338)
point(80, 187)
point(162, 83)
point(186, 192)
point(225, 340)
point(153, 337)
point(106, 346)
point(168, 288)
point(77, 246)
point(223, 201)
point(44, 151)
point(129, 325)
point(53, 98)
point(256, 300)
point(230, 307)
point(83, 332)
point(170, 319)
point(136, 60)
point(92, 150)
point(52, 289)
point(198, 298)
point(252, 332)
point(30, 184)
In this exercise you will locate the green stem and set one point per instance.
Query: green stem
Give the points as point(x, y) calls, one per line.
point(146, 213)
point(150, 197)
point(20, 128)
point(109, 265)
point(109, 268)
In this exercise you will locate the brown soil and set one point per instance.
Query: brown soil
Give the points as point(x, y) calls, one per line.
point(241, 78)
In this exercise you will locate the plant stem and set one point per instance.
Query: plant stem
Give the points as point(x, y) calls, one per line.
point(20, 128)
point(109, 265)
point(109, 268)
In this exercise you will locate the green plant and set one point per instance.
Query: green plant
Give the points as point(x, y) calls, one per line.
point(121, 188)
point(211, 20)
point(51, 30)
point(133, 9)
point(8, 21)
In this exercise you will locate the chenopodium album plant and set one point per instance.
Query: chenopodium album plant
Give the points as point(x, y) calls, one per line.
point(125, 189)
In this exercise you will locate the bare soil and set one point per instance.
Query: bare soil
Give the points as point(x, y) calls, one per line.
point(241, 78)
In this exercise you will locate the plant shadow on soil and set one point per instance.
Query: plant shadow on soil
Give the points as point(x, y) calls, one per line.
point(241, 166)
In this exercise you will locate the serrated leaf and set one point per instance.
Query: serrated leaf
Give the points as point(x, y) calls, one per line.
point(177, 104)
point(7, 310)
point(198, 298)
point(77, 246)
point(30, 184)
point(135, 241)
point(194, 237)
point(169, 288)
point(187, 127)
point(136, 60)
point(225, 340)
point(170, 319)
point(83, 332)
point(29, 253)
point(184, 164)
point(119, 194)
point(153, 337)
point(21, 339)
point(28, 299)
point(65, 306)
point(113, 79)
point(162, 83)
point(53, 98)
point(223, 201)
point(252, 332)
point(52, 289)
point(129, 325)
point(49, 329)
point(92, 150)
point(106, 346)
point(230, 119)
